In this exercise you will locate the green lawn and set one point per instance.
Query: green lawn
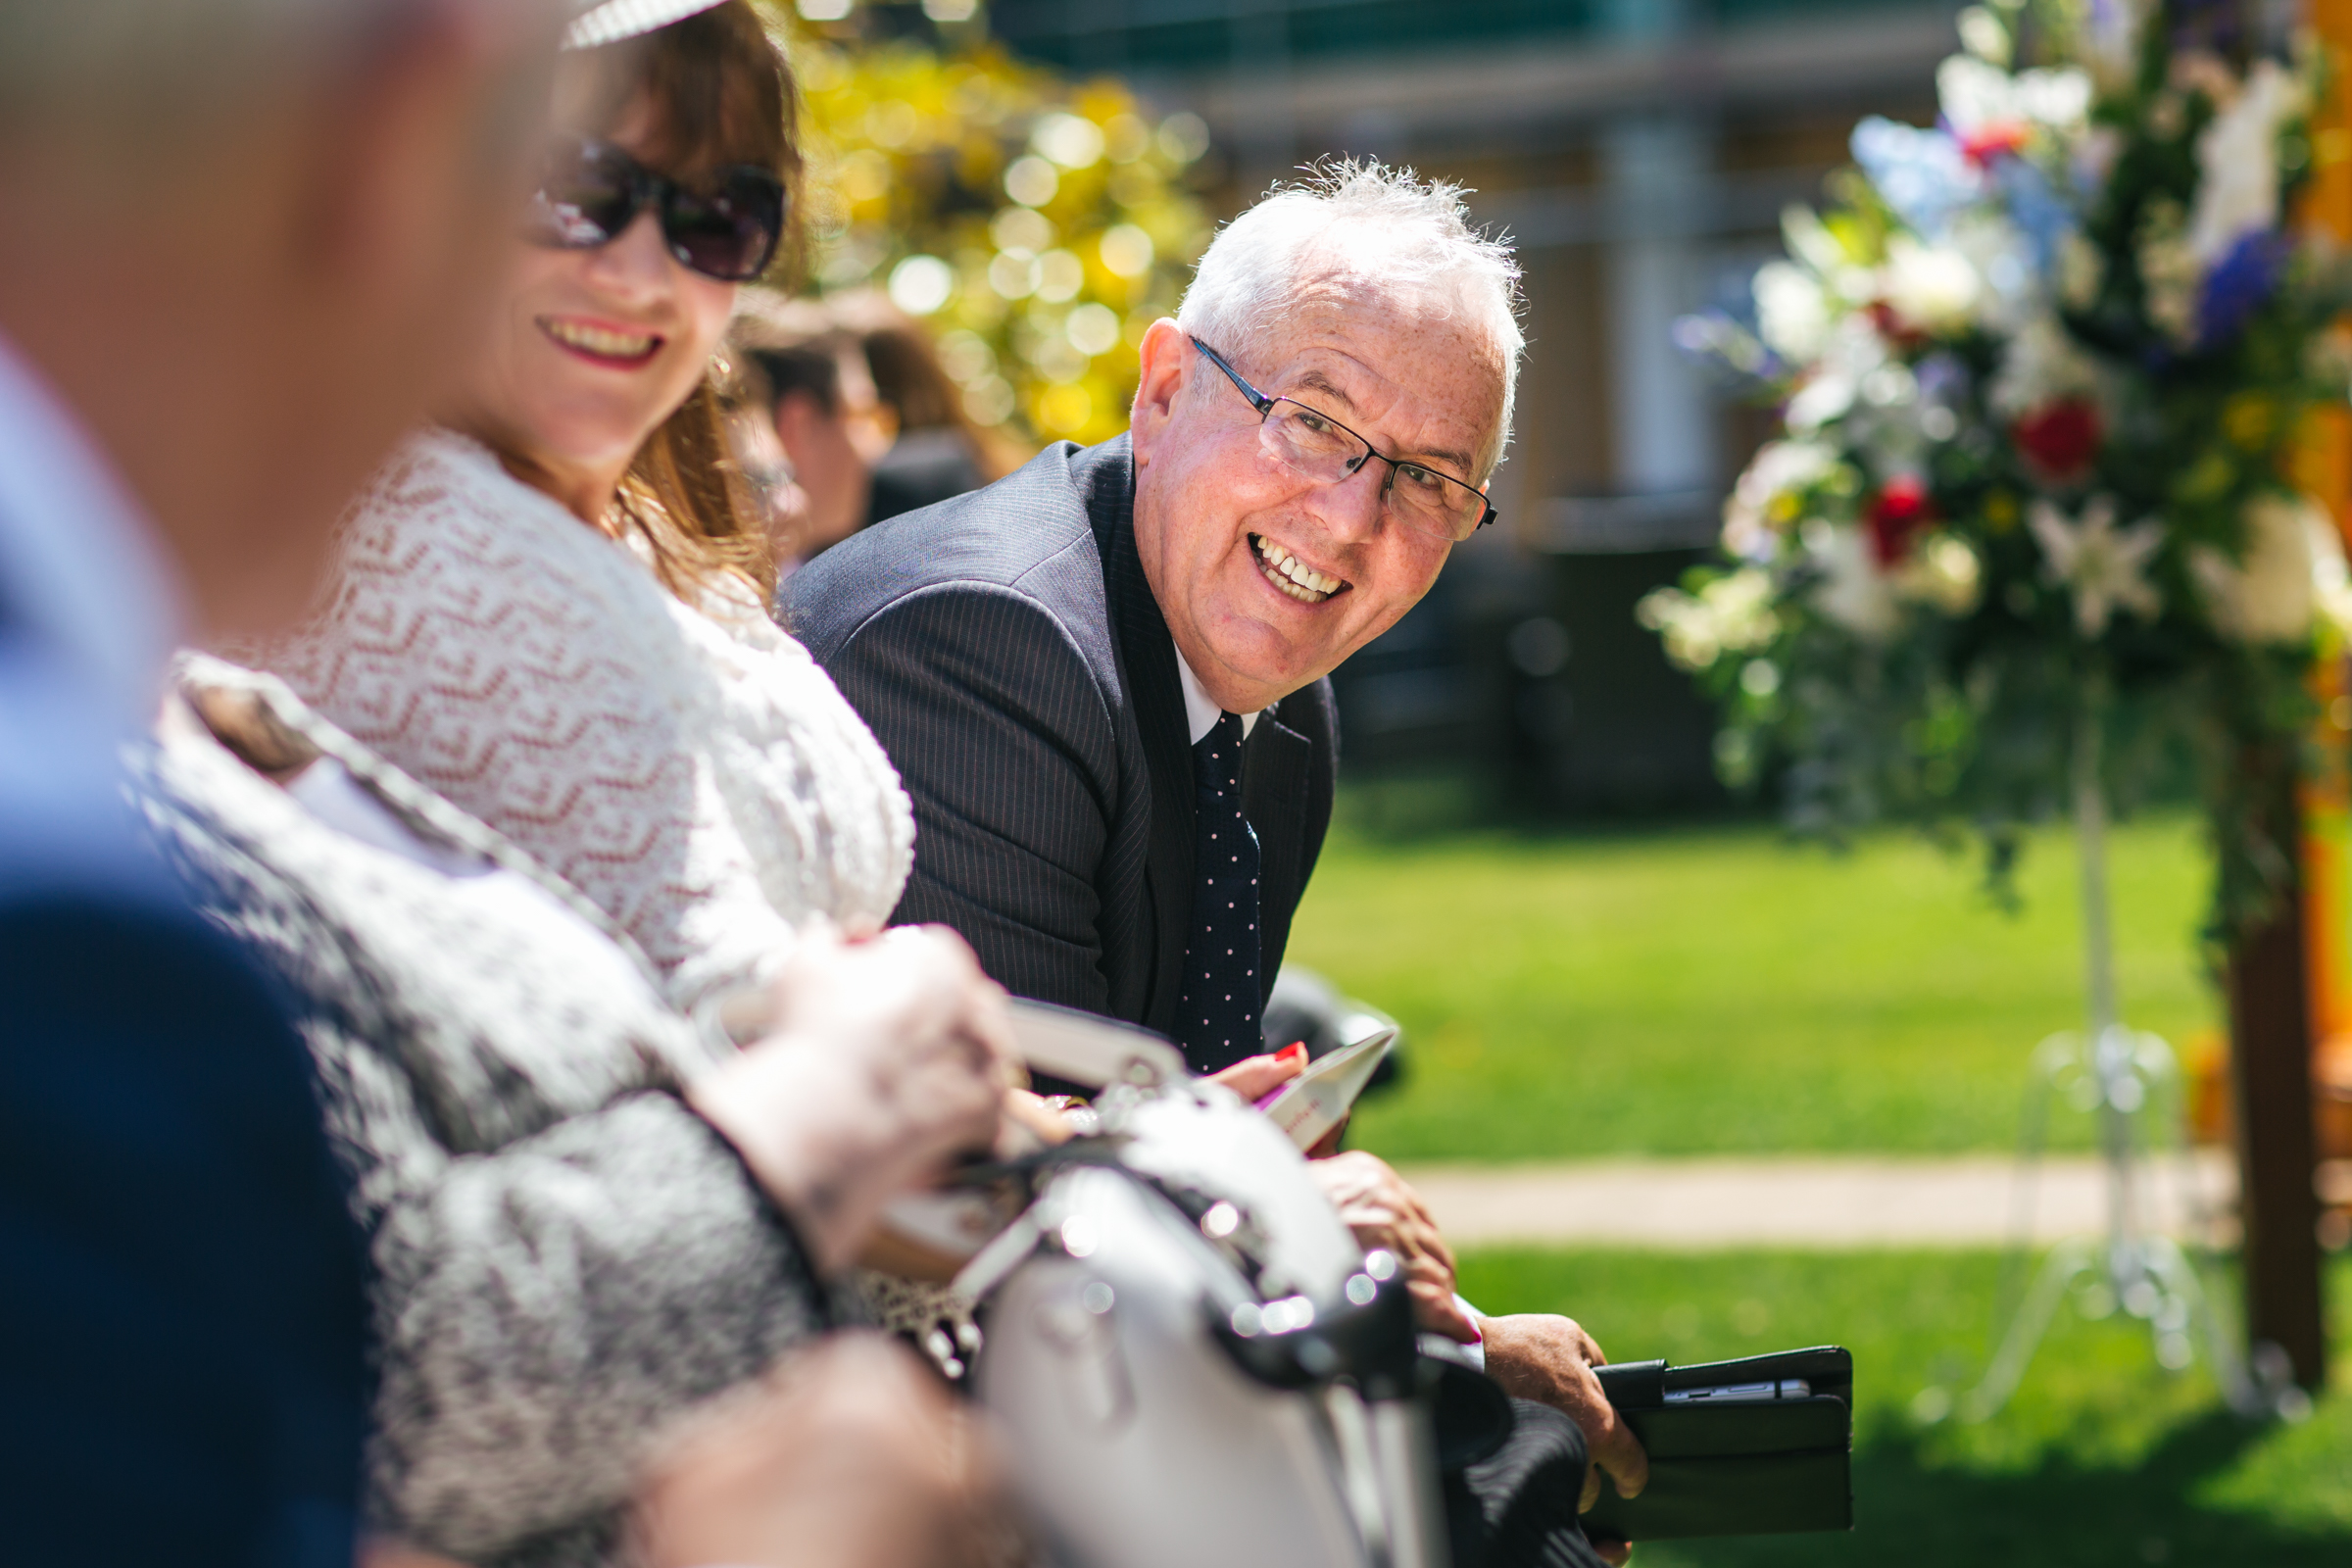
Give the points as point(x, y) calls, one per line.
point(1720, 990)
point(2101, 1459)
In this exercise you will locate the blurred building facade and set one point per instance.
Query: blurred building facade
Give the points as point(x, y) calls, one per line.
point(1640, 152)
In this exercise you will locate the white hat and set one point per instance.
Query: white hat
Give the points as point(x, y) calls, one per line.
point(603, 22)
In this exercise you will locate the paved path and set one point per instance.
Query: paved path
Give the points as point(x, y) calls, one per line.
point(1820, 1202)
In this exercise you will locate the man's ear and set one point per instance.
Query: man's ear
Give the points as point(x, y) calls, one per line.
point(1166, 356)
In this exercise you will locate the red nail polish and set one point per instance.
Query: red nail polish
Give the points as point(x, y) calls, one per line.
point(1293, 1051)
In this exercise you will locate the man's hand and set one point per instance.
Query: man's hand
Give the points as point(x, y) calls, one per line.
point(1383, 1211)
point(849, 1457)
point(1536, 1355)
point(888, 1057)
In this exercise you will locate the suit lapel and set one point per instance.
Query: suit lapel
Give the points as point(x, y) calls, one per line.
point(1275, 768)
point(1156, 695)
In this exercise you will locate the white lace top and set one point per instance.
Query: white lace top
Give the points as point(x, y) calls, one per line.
point(694, 773)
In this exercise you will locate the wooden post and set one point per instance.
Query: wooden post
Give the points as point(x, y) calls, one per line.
point(2269, 1035)
point(2289, 980)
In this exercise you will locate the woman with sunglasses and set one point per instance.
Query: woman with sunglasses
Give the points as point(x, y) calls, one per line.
point(550, 607)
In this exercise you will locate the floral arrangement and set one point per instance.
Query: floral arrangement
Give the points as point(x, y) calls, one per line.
point(2043, 370)
point(1036, 225)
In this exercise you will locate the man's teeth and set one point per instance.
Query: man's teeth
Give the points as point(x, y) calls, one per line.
point(1294, 576)
point(596, 340)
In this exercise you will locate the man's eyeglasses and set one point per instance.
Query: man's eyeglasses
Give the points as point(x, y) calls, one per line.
point(594, 191)
point(1313, 444)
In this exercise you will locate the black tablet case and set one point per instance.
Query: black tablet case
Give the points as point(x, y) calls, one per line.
point(1773, 1467)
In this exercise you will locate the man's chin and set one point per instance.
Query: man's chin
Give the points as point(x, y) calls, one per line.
point(1271, 678)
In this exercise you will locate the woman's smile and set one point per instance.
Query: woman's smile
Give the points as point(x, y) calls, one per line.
point(601, 344)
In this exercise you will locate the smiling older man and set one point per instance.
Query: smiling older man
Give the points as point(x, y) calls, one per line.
point(1038, 658)
point(1102, 678)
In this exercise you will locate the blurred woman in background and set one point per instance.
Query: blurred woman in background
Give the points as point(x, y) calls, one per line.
point(844, 409)
point(941, 451)
point(805, 398)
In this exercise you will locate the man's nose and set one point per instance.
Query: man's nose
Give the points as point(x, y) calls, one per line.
point(1351, 509)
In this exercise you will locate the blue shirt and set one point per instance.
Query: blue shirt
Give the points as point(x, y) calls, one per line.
point(182, 1307)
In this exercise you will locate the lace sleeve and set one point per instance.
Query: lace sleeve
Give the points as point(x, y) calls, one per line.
point(481, 639)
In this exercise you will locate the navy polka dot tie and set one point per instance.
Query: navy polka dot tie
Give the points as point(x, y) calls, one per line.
point(1218, 1011)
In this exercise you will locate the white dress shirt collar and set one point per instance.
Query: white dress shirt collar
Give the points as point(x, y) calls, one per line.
point(1201, 711)
point(79, 569)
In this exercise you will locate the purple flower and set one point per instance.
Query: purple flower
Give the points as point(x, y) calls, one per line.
point(2239, 284)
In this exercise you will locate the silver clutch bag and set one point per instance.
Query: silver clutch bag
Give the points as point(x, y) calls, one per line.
point(1188, 1358)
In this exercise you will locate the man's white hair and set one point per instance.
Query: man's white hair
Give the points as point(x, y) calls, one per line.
point(1421, 237)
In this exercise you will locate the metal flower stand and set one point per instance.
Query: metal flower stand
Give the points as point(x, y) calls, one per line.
point(2130, 1079)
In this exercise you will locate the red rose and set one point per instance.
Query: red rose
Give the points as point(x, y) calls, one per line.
point(2059, 440)
point(1897, 515)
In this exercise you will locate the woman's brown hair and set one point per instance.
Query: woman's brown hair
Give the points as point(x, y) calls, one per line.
point(722, 95)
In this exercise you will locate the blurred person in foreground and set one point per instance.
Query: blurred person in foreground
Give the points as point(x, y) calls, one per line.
point(332, 180)
point(248, 236)
point(1102, 678)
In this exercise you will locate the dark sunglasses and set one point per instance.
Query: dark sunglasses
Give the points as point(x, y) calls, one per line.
point(594, 191)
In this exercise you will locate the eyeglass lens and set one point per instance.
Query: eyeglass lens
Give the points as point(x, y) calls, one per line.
point(592, 195)
point(1420, 497)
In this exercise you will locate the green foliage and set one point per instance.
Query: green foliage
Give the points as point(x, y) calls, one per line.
point(1038, 226)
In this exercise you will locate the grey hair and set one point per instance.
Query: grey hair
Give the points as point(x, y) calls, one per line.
point(1246, 279)
point(103, 58)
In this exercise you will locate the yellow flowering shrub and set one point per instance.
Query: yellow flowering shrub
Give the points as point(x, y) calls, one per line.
point(1036, 225)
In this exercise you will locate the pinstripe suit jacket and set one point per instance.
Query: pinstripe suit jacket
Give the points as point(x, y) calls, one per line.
point(1006, 650)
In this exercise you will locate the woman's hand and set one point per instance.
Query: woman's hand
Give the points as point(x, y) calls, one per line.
point(1255, 1077)
point(889, 1056)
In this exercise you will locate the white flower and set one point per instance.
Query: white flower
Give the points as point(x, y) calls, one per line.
point(2041, 364)
point(1819, 401)
point(2237, 160)
point(2292, 572)
point(1928, 287)
point(2003, 258)
point(1793, 317)
point(1779, 468)
point(2103, 565)
point(1732, 613)
point(1983, 34)
point(1853, 351)
point(1853, 592)
point(1976, 96)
